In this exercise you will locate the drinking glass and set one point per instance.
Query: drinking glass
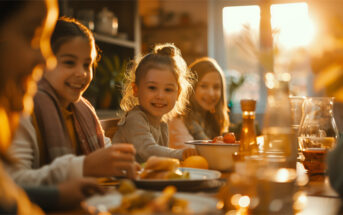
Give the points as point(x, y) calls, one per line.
point(296, 103)
point(317, 133)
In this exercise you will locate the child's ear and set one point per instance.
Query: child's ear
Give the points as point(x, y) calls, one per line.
point(135, 89)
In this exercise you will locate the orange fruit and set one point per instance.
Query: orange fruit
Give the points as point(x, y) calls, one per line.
point(229, 138)
point(195, 161)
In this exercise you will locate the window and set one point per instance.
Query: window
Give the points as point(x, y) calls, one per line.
point(238, 27)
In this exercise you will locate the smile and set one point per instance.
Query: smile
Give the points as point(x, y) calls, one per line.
point(75, 86)
point(158, 105)
point(211, 102)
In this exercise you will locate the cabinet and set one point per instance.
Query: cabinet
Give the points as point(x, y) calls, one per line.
point(104, 90)
point(191, 39)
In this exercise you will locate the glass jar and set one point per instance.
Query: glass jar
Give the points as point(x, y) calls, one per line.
point(317, 133)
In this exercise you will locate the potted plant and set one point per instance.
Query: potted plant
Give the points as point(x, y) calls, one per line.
point(104, 91)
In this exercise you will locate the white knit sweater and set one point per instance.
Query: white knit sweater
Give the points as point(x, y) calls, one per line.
point(28, 172)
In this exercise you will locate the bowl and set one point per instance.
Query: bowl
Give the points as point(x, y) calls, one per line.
point(218, 155)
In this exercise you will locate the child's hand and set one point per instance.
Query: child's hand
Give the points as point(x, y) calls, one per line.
point(188, 152)
point(72, 192)
point(116, 160)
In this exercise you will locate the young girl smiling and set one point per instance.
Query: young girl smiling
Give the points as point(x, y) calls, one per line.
point(157, 90)
point(207, 114)
point(63, 139)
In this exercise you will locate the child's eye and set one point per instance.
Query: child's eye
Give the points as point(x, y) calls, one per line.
point(151, 87)
point(169, 90)
point(68, 62)
point(203, 86)
point(216, 87)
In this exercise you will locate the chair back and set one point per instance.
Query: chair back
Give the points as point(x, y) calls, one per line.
point(109, 126)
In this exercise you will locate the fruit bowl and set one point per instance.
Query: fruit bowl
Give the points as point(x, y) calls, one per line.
point(218, 155)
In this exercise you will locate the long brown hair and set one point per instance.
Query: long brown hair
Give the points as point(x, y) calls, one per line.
point(200, 68)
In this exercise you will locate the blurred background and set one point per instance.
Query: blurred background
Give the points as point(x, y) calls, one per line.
point(246, 37)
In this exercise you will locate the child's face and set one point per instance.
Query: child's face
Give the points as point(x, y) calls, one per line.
point(157, 92)
point(73, 73)
point(208, 91)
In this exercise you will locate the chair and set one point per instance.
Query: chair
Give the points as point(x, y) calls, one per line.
point(109, 126)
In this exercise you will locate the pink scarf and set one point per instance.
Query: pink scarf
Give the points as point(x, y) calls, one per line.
point(55, 136)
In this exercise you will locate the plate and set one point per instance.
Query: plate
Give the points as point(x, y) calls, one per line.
point(199, 179)
point(196, 203)
point(209, 142)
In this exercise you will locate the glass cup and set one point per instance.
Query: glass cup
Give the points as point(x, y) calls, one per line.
point(296, 103)
point(317, 133)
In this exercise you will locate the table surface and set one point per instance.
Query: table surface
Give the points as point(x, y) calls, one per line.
point(321, 198)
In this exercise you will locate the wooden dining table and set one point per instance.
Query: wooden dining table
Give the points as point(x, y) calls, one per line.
point(320, 196)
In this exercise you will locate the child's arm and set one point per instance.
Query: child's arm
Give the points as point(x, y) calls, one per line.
point(136, 130)
point(27, 170)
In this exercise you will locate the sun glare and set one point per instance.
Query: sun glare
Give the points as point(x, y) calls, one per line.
point(292, 21)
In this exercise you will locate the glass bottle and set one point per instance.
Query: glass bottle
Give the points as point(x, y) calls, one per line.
point(248, 144)
point(280, 145)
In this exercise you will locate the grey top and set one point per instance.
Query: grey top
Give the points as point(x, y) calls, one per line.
point(148, 135)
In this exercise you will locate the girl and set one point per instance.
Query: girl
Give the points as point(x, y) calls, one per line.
point(19, 20)
point(207, 113)
point(157, 89)
point(63, 138)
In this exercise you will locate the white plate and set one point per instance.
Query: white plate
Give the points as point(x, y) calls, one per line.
point(196, 204)
point(199, 179)
point(194, 175)
point(209, 143)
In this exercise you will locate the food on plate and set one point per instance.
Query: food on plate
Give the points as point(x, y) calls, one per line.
point(126, 186)
point(195, 161)
point(145, 202)
point(227, 138)
point(162, 168)
point(218, 139)
point(162, 163)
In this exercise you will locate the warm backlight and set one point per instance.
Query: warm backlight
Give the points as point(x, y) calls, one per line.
point(293, 23)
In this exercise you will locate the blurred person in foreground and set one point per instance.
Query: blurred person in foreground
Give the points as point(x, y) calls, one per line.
point(25, 29)
point(327, 65)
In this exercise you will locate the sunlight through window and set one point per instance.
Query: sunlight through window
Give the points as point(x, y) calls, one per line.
point(294, 25)
point(241, 24)
point(236, 20)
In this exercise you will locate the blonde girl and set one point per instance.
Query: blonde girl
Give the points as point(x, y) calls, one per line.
point(207, 113)
point(156, 90)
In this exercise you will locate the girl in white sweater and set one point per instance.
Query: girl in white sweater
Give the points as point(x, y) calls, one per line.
point(63, 139)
